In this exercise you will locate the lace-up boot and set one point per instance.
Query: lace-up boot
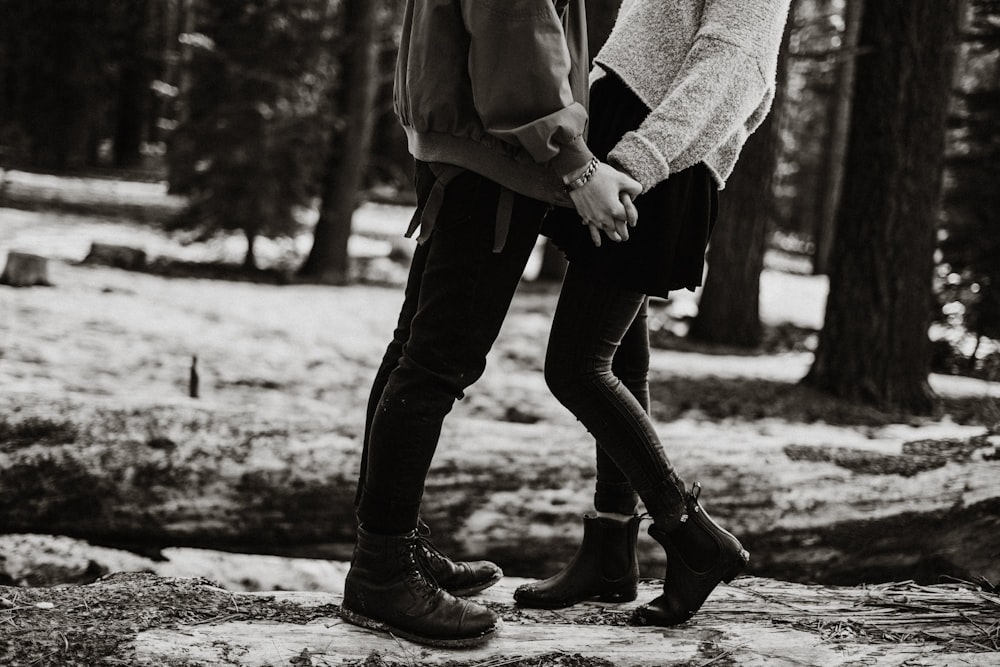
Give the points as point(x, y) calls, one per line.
point(700, 555)
point(386, 589)
point(458, 578)
point(604, 567)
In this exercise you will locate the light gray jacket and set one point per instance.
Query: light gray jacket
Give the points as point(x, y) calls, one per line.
point(707, 70)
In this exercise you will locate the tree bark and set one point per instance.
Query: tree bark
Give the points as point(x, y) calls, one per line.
point(836, 146)
point(786, 623)
point(729, 306)
point(133, 85)
point(137, 618)
point(970, 236)
point(874, 345)
point(328, 261)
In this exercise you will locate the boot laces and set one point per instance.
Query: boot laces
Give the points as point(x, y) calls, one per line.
point(420, 582)
point(428, 551)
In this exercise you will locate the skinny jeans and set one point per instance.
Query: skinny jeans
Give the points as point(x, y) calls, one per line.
point(457, 294)
point(594, 319)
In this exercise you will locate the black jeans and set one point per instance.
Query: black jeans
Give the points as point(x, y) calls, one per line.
point(597, 324)
point(457, 295)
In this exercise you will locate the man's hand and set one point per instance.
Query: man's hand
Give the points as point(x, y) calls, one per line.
point(605, 203)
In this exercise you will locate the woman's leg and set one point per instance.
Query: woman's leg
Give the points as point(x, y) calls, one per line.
point(591, 320)
point(613, 492)
point(605, 566)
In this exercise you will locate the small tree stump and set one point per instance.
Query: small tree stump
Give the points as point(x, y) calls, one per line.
point(117, 256)
point(25, 270)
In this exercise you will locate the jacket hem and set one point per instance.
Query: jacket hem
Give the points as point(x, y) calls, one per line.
point(523, 176)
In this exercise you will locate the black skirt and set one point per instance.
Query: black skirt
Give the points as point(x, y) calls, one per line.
point(666, 250)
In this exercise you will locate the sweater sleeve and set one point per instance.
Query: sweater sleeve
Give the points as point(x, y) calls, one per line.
point(718, 90)
point(520, 66)
point(724, 88)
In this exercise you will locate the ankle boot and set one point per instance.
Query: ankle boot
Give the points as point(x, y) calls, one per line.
point(700, 554)
point(386, 589)
point(604, 567)
point(458, 578)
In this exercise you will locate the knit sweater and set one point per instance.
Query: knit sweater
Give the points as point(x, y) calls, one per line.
point(706, 68)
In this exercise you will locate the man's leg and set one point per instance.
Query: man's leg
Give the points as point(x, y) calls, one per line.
point(464, 292)
point(423, 181)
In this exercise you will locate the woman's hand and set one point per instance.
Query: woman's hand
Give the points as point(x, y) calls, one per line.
point(605, 203)
point(620, 230)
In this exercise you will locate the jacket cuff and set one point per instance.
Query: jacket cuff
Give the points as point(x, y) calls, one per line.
point(571, 157)
point(641, 160)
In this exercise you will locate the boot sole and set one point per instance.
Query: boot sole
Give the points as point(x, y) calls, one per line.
point(640, 618)
point(627, 596)
point(355, 618)
point(470, 590)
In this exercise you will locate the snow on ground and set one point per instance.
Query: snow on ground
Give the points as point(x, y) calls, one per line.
point(97, 320)
point(110, 335)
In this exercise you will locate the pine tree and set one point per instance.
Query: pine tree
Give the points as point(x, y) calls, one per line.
point(874, 345)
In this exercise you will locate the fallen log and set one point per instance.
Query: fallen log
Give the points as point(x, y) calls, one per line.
point(47, 560)
point(141, 619)
point(147, 477)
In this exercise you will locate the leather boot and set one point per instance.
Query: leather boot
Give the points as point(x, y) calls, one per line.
point(386, 589)
point(604, 567)
point(458, 578)
point(700, 554)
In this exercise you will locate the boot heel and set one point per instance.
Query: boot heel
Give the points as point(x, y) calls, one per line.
point(624, 596)
point(685, 588)
point(387, 590)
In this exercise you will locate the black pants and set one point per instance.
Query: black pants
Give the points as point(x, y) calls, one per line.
point(597, 326)
point(457, 295)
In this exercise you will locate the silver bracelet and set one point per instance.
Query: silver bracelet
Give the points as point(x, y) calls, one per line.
point(580, 181)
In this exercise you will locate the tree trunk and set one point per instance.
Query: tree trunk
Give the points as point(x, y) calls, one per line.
point(328, 261)
point(971, 227)
point(133, 86)
point(188, 12)
point(836, 146)
point(729, 307)
point(874, 345)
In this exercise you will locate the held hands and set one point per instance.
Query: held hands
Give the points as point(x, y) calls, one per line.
point(605, 203)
